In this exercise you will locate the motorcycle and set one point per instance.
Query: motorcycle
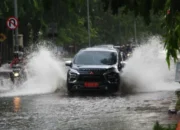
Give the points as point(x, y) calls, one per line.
point(18, 74)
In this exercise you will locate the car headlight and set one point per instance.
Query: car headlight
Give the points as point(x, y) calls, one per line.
point(73, 75)
point(113, 69)
point(112, 75)
point(73, 71)
point(129, 54)
point(16, 74)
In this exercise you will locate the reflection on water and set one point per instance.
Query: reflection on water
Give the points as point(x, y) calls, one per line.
point(16, 104)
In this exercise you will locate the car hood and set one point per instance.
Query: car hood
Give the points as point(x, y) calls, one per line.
point(80, 67)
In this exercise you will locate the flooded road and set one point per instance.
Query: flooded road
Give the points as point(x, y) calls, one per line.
point(41, 107)
point(60, 112)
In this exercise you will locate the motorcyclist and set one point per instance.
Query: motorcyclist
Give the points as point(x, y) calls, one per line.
point(15, 60)
point(18, 58)
point(21, 57)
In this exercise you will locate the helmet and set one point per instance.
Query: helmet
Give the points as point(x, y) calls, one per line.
point(15, 55)
point(18, 54)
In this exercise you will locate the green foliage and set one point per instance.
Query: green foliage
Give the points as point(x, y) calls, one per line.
point(170, 22)
point(71, 19)
point(178, 101)
point(178, 105)
point(178, 93)
point(157, 126)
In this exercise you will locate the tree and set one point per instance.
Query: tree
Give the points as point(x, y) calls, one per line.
point(71, 19)
point(171, 13)
point(30, 14)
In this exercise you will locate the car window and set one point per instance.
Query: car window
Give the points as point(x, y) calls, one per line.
point(96, 58)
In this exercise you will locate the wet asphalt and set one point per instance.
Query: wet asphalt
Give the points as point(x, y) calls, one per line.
point(57, 111)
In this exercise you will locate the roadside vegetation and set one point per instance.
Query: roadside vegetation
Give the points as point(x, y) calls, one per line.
point(170, 19)
point(110, 21)
point(158, 126)
point(69, 18)
point(178, 101)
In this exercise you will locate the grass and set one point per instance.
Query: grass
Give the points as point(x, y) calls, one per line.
point(157, 126)
point(178, 105)
point(178, 101)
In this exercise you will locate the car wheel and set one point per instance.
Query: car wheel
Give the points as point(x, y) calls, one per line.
point(70, 92)
point(114, 89)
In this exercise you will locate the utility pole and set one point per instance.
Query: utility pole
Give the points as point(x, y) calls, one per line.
point(16, 30)
point(89, 35)
point(135, 33)
point(119, 33)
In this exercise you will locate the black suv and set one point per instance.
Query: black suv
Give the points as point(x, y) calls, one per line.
point(95, 68)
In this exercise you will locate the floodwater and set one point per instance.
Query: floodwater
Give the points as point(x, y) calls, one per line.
point(93, 112)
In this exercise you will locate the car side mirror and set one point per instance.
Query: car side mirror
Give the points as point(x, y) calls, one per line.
point(68, 63)
point(121, 65)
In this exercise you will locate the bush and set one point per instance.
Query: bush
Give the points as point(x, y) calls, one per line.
point(157, 126)
point(178, 100)
point(178, 105)
point(178, 93)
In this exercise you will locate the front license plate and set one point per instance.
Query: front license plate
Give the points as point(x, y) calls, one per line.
point(91, 84)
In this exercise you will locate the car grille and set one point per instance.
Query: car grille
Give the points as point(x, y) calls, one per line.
point(95, 71)
point(98, 78)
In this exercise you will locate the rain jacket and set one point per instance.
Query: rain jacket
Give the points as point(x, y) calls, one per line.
point(15, 61)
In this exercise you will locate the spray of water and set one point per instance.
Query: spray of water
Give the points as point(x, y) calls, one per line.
point(45, 74)
point(147, 70)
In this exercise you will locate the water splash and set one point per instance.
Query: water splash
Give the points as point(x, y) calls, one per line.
point(147, 70)
point(46, 74)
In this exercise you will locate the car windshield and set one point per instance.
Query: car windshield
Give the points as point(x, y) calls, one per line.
point(96, 58)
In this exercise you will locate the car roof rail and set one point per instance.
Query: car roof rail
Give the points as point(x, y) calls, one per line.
point(110, 46)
